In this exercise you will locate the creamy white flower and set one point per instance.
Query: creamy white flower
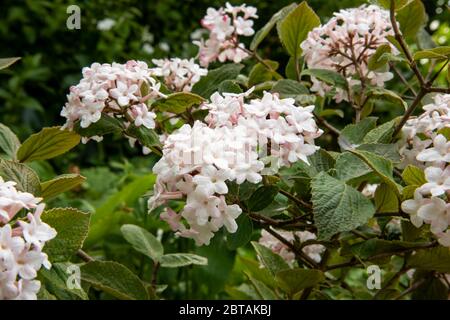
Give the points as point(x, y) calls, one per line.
point(345, 44)
point(438, 181)
point(225, 25)
point(439, 152)
point(178, 74)
point(115, 90)
point(21, 254)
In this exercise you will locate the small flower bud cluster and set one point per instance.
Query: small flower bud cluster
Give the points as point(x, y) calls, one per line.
point(113, 89)
point(424, 145)
point(313, 251)
point(225, 26)
point(178, 74)
point(345, 44)
point(21, 243)
point(198, 160)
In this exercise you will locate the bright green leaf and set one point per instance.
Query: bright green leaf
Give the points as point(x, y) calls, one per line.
point(143, 241)
point(47, 144)
point(413, 175)
point(294, 28)
point(264, 31)
point(178, 102)
point(9, 142)
point(60, 184)
point(176, 260)
point(272, 261)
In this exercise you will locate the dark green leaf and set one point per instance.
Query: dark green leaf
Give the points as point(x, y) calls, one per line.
point(337, 206)
point(209, 83)
point(114, 279)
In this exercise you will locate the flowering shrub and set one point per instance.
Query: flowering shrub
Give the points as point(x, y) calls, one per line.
point(250, 157)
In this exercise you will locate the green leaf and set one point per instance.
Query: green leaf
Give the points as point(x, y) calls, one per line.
point(355, 133)
point(263, 291)
point(264, 31)
point(143, 241)
point(377, 93)
point(381, 134)
point(6, 62)
point(72, 226)
point(260, 73)
point(289, 88)
point(436, 259)
point(272, 261)
point(348, 167)
point(398, 3)
point(114, 279)
point(262, 197)
point(56, 281)
point(413, 175)
point(242, 235)
point(27, 180)
point(105, 216)
point(147, 137)
point(385, 199)
point(209, 83)
point(9, 142)
point(105, 125)
point(294, 280)
point(445, 132)
point(432, 289)
point(337, 206)
point(294, 28)
point(387, 151)
point(379, 59)
point(332, 112)
point(47, 144)
point(381, 166)
point(60, 184)
point(330, 77)
point(178, 102)
point(176, 260)
point(410, 26)
point(439, 53)
point(229, 86)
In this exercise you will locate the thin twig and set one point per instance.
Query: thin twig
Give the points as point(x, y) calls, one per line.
point(84, 256)
point(402, 79)
point(295, 199)
point(410, 289)
point(327, 125)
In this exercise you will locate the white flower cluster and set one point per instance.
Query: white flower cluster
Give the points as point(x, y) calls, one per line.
point(225, 25)
point(313, 251)
point(21, 247)
point(426, 147)
point(113, 89)
point(178, 74)
point(345, 44)
point(419, 133)
point(198, 160)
